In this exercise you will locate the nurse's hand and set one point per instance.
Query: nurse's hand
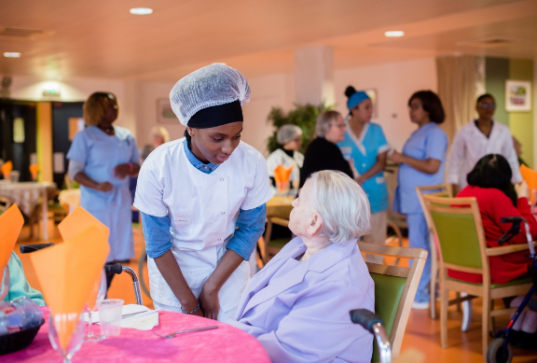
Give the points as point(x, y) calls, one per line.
point(104, 187)
point(209, 302)
point(122, 170)
point(396, 157)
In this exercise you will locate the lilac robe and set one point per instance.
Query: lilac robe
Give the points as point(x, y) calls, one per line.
point(299, 311)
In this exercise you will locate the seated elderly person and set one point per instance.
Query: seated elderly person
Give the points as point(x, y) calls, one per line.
point(18, 285)
point(298, 305)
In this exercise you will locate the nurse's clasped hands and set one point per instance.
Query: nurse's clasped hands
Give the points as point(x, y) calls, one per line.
point(209, 302)
point(122, 170)
point(104, 187)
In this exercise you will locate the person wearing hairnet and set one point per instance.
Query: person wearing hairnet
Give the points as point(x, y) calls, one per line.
point(202, 199)
point(290, 139)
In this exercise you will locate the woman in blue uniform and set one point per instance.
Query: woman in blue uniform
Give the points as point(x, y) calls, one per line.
point(101, 158)
point(421, 163)
point(366, 148)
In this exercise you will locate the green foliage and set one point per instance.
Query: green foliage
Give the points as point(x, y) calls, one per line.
point(303, 116)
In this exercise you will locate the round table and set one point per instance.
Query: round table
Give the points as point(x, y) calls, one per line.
point(226, 344)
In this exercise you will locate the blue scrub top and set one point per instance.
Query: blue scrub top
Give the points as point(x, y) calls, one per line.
point(363, 150)
point(429, 141)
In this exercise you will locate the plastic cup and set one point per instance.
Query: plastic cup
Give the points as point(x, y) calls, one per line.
point(110, 317)
point(14, 176)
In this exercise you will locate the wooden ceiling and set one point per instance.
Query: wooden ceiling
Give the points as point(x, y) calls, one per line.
point(101, 39)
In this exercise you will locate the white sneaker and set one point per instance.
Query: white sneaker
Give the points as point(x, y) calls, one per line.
point(420, 305)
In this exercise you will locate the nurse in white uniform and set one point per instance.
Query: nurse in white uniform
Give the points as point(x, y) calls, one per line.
point(478, 138)
point(203, 199)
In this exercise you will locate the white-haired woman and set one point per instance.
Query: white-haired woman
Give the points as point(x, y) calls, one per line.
point(159, 136)
point(298, 305)
point(323, 153)
point(290, 139)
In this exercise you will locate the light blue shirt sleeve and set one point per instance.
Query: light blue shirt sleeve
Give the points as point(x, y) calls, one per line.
point(79, 149)
point(18, 285)
point(250, 226)
point(158, 238)
point(436, 144)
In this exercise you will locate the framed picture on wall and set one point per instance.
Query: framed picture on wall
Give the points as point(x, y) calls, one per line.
point(372, 93)
point(165, 113)
point(517, 96)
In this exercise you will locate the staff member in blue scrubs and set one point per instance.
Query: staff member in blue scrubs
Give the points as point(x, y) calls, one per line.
point(421, 163)
point(366, 148)
point(101, 158)
point(203, 199)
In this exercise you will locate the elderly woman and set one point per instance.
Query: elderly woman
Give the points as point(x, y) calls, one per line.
point(287, 155)
point(101, 158)
point(323, 153)
point(298, 305)
point(159, 136)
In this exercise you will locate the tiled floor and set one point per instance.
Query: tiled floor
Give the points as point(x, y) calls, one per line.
point(422, 336)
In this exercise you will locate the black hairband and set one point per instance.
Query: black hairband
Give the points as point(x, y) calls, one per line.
point(217, 116)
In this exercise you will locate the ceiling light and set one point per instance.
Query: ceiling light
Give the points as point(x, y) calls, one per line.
point(394, 33)
point(12, 54)
point(141, 11)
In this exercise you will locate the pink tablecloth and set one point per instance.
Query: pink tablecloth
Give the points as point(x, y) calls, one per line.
point(225, 344)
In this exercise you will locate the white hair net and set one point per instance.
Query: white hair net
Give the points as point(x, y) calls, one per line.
point(213, 85)
point(287, 133)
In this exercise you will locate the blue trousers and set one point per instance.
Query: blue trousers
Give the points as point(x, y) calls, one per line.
point(418, 237)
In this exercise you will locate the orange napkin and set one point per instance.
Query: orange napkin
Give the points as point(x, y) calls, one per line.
point(67, 273)
point(282, 174)
point(11, 222)
point(6, 169)
point(34, 169)
point(530, 176)
point(79, 220)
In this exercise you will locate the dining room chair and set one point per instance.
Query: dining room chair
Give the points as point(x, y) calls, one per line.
point(462, 247)
point(272, 247)
point(440, 190)
point(5, 203)
point(395, 289)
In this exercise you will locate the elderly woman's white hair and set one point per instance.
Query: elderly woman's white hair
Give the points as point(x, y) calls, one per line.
point(287, 133)
point(323, 122)
point(162, 132)
point(342, 204)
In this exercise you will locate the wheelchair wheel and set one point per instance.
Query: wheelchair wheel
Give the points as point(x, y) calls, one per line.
point(142, 263)
point(496, 354)
point(394, 237)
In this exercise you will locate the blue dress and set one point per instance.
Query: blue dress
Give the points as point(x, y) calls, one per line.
point(101, 153)
point(363, 150)
point(429, 141)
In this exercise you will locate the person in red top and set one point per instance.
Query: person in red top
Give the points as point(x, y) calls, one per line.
point(490, 183)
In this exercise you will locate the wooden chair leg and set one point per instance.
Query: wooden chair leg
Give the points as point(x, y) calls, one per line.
point(432, 286)
point(486, 326)
point(444, 299)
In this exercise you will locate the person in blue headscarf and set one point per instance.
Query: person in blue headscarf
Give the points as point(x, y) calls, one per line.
point(366, 148)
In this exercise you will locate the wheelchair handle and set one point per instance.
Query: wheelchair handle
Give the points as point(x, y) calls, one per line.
point(117, 268)
point(373, 324)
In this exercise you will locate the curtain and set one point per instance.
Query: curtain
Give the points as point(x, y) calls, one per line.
point(458, 83)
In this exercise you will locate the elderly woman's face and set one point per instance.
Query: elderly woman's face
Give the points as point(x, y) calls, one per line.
point(336, 132)
point(303, 214)
point(216, 144)
point(294, 143)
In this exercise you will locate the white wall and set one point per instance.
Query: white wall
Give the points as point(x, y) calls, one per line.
point(394, 83)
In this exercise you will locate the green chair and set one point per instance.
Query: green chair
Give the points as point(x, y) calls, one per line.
point(463, 247)
point(395, 289)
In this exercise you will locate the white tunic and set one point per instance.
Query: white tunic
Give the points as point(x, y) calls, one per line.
point(203, 209)
point(470, 145)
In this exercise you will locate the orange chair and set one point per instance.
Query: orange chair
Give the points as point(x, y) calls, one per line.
point(530, 177)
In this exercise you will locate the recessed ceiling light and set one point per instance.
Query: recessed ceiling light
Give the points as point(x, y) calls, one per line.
point(394, 33)
point(12, 54)
point(141, 11)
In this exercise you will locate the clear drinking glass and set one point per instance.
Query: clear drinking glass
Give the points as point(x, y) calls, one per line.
point(74, 343)
point(97, 296)
point(4, 284)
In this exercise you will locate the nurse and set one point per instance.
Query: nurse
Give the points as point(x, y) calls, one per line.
point(421, 163)
point(101, 158)
point(203, 199)
point(365, 146)
point(478, 138)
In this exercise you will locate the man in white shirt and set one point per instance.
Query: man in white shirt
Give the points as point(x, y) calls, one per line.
point(478, 138)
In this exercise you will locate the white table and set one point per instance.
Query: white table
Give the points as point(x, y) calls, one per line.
point(26, 195)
